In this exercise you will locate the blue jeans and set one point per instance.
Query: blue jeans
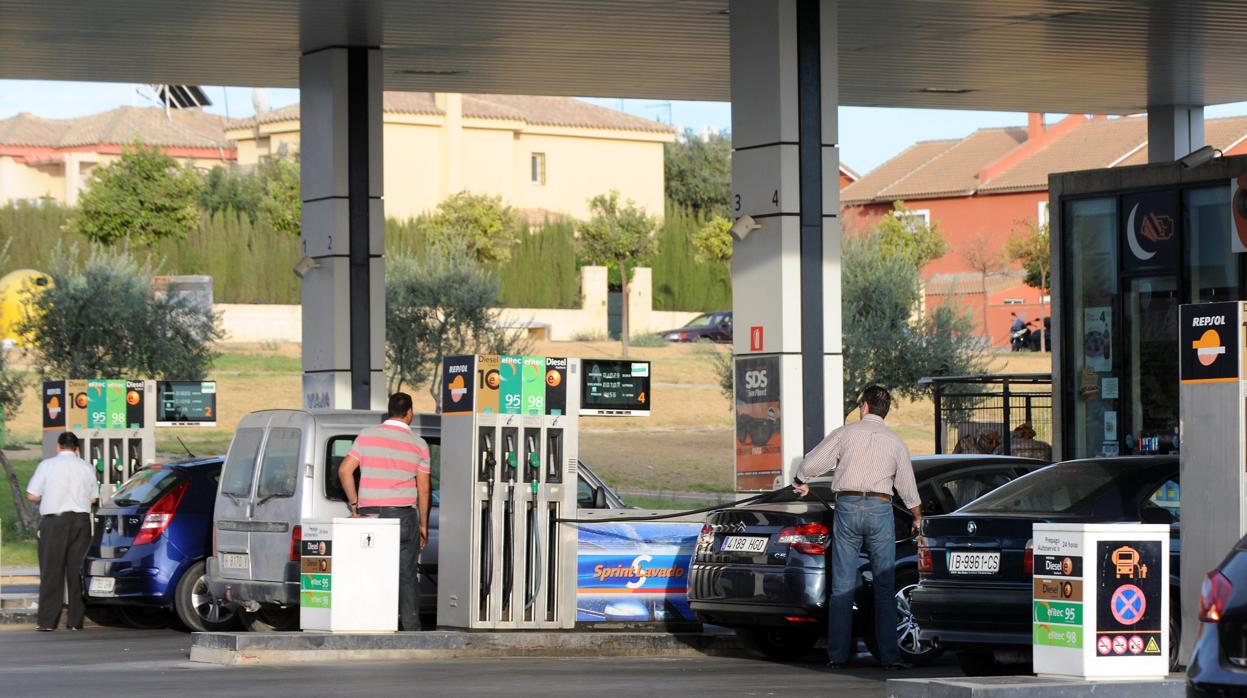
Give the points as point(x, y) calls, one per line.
point(862, 521)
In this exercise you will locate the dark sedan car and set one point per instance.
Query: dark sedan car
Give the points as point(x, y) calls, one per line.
point(984, 612)
point(761, 568)
point(151, 540)
point(708, 327)
point(1219, 664)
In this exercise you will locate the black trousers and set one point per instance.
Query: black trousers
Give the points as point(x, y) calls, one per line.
point(408, 558)
point(63, 543)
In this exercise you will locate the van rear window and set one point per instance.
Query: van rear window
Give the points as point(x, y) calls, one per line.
point(240, 463)
point(280, 467)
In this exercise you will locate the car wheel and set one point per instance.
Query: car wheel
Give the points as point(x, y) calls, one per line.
point(144, 617)
point(783, 644)
point(913, 650)
point(196, 607)
point(271, 619)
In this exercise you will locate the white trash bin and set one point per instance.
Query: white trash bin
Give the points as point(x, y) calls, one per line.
point(348, 581)
point(1100, 606)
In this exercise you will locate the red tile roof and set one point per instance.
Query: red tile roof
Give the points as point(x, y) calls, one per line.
point(180, 128)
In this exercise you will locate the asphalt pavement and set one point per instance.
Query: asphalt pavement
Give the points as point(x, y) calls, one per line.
point(113, 661)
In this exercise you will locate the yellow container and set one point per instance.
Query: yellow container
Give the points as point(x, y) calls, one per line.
point(17, 289)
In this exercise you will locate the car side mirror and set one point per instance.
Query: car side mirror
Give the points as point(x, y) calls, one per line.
point(599, 498)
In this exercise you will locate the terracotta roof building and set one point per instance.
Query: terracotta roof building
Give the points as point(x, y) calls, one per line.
point(541, 154)
point(52, 159)
point(993, 183)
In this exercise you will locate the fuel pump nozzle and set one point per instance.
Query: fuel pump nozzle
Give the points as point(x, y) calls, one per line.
point(533, 458)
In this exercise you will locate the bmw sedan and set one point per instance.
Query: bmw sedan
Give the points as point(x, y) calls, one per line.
point(761, 568)
point(976, 564)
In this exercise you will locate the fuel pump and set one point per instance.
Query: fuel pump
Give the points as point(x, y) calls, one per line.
point(114, 420)
point(508, 456)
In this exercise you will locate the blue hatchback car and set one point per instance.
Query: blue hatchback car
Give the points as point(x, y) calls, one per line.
point(150, 543)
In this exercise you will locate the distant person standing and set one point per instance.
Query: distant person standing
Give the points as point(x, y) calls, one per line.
point(869, 462)
point(394, 483)
point(64, 487)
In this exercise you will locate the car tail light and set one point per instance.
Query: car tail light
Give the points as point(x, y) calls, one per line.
point(1213, 596)
point(1028, 558)
point(161, 514)
point(808, 538)
point(706, 538)
point(925, 561)
point(800, 619)
point(296, 537)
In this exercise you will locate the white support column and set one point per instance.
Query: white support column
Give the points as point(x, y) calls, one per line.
point(343, 228)
point(786, 274)
point(1173, 131)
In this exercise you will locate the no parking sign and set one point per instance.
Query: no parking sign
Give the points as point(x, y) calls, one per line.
point(1128, 608)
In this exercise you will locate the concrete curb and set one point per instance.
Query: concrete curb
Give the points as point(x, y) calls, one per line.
point(234, 649)
point(19, 616)
point(1027, 686)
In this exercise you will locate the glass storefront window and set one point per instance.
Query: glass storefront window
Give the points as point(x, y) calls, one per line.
point(1212, 272)
point(1091, 281)
point(1150, 396)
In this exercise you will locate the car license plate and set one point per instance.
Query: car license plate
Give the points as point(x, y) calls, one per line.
point(234, 561)
point(745, 544)
point(101, 586)
point(973, 563)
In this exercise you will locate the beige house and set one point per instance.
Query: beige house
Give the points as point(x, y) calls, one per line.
point(52, 159)
point(541, 154)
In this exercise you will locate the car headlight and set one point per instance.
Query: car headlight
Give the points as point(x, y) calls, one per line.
point(673, 337)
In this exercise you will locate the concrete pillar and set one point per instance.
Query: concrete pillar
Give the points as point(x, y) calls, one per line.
point(1173, 131)
point(785, 176)
point(453, 157)
point(343, 228)
point(641, 302)
point(73, 178)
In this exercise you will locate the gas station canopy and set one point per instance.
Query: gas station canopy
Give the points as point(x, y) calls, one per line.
point(1099, 56)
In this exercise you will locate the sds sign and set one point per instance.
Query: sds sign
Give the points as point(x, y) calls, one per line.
point(756, 379)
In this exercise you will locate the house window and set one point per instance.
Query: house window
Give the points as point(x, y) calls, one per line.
point(538, 168)
point(1042, 216)
point(920, 217)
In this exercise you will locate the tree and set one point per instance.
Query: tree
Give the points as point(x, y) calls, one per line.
point(911, 236)
point(615, 234)
point(281, 205)
point(699, 173)
point(230, 189)
point(1033, 251)
point(981, 256)
point(103, 318)
point(481, 224)
point(144, 197)
point(713, 240)
point(885, 340)
point(438, 306)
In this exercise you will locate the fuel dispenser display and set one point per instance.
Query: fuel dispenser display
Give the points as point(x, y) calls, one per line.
point(114, 420)
point(509, 428)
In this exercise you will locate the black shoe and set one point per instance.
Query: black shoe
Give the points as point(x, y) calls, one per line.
point(837, 665)
point(75, 627)
point(896, 666)
point(44, 630)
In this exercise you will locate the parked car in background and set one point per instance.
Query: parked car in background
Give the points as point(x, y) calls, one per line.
point(263, 501)
point(1219, 664)
point(151, 540)
point(710, 327)
point(761, 568)
point(983, 610)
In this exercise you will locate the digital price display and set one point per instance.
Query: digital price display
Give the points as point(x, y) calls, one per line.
point(615, 388)
point(186, 404)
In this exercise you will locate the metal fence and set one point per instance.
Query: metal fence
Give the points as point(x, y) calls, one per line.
point(1003, 414)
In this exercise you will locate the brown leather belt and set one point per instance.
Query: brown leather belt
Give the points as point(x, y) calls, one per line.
point(874, 495)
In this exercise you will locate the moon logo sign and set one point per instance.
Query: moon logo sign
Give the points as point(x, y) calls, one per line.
point(1133, 241)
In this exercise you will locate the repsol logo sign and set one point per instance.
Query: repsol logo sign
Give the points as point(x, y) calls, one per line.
point(1208, 321)
point(457, 368)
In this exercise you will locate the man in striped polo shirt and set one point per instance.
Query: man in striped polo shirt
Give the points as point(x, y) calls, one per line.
point(394, 484)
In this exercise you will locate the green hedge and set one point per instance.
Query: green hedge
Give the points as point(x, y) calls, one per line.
point(680, 281)
point(250, 263)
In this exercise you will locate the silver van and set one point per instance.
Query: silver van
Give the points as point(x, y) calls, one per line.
point(281, 469)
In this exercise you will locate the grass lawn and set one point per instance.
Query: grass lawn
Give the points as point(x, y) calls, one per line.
point(17, 551)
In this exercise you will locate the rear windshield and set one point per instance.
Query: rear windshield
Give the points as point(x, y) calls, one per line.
point(146, 487)
point(240, 463)
point(279, 469)
point(1086, 488)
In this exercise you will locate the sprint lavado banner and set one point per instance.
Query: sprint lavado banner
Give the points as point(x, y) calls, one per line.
point(634, 571)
